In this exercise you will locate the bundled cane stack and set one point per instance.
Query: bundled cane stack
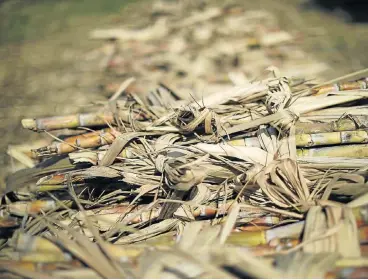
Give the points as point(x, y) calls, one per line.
point(249, 182)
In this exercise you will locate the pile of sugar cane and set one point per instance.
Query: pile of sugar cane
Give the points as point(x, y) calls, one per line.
point(200, 48)
point(248, 182)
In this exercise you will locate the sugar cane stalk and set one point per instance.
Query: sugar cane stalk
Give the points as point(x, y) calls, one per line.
point(78, 120)
point(132, 214)
point(332, 138)
point(70, 121)
point(71, 144)
point(346, 124)
point(263, 237)
point(360, 84)
point(21, 208)
point(314, 139)
point(348, 151)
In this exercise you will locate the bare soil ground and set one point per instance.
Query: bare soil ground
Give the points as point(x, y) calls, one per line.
point(42, 42)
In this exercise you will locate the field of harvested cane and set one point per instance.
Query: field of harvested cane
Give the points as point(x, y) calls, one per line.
point(216, 146)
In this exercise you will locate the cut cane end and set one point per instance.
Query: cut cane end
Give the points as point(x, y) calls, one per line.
point(29, 123)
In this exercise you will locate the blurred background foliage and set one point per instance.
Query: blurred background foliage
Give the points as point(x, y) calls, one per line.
point(22, 20)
